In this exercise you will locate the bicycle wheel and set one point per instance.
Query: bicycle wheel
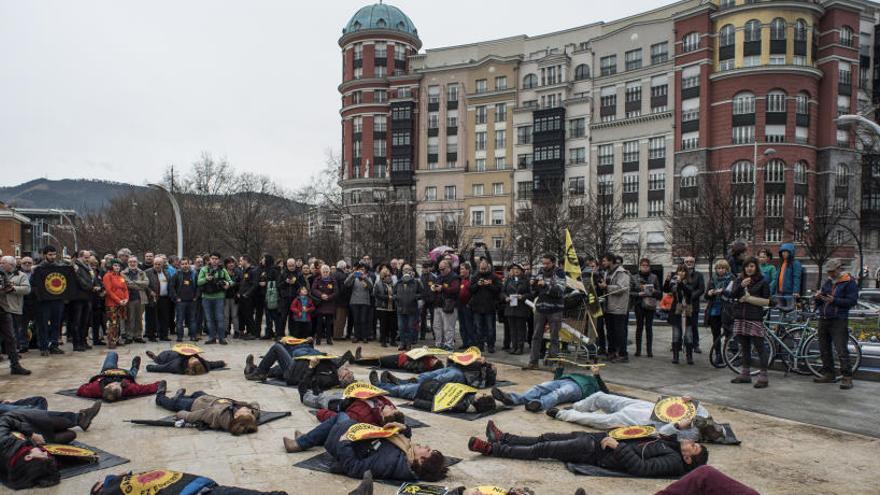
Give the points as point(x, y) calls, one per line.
point(813, 357)
point(733, 355)
point(792, 339)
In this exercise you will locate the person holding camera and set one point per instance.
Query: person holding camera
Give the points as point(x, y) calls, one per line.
point(678, 284)
point(361, 286)
point(13, 287)
point(213, 282)
point(839, 293)
point(616, 286)
point(548, 288)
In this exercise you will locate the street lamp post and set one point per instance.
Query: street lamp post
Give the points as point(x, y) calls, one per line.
point(177, 217)
point(72, 227)
point(50, 236)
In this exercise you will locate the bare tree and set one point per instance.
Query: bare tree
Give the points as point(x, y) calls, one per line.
point(823, 232)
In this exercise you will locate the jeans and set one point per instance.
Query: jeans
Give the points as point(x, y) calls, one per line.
point(606, 411)
point(644, 320)
point(444, 328)
point(360, 313)
point(111, 361)
point(186, 313)
point(541, 319)
point(834, 332)
point(466, 326)
point(484, 330)
point(178, 403)
point(214, 316)
point(407, 326)
point(277, 353)
point(318, 435)
point(550, 393)
point(49, 314)
point(745, 343)
point(408, 390)
point(617, 327)
point(39, 404)
point(230, 317)
point(78, 319)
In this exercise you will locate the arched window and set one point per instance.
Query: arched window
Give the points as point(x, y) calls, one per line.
point(742, 172)
point(777, 29)
point(744, 103)
point(800, 30)
point(689, 176)
point(690, 42)
point(842, 173)
point(753, 30)
point(581, 72)
point(800, 172)
point(356, 25)
point(802, 103)
point(401, 26)
point(530, 81)
point(846, 36)
point(776, 101)
point(775, 171)
point(727, 35)
point(380, 23)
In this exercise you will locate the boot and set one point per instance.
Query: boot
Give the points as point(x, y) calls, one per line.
point(502, 396)
point(290, 444)
point(388, 377)
point(676, 350)
point(744, 377)
point(493, 433)
point(649, 345)
point(763, 381)
point(689, 353)
point(479, 445)
point(846, 383)
point(85, 417)
point(638, 346)
point(249, 366)
point(358, 353)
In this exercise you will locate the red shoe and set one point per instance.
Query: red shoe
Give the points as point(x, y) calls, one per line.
point(479, 445)
point(493, 433)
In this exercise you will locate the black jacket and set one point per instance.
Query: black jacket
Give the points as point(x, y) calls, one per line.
point(183, 286)
point(660, 458)
point(85, 282)
point(759, 288)
point(698, 287)
point(343, 294)
point(407, 296)
point(478, 375)
point(484, 298)
point(289, 290)
point(249, 282)
point(235, 275)
point(429, 388)
point(10, 423)
point(520, 287)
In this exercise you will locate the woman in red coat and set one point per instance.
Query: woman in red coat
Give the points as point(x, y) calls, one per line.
point(114, 301)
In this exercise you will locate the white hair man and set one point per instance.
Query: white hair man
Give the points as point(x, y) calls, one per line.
point(15, 286)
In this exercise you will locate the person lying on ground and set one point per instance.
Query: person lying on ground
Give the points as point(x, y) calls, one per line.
point(167, 482)
point(479, 374)
point(468, 402)
point(82, 418)
point(376, 410)
point(605, 411)
point(563, 388)
point(179, 364)
point(399, 361)
point(317, 373)
point(393, 458)
point(216, 413)
point(23, 461)
point(653, 458)
point(114, 383)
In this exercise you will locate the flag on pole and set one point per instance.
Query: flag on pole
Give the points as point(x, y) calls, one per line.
point(572, 265)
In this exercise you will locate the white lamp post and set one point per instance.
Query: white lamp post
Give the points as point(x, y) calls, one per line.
point(177, 217)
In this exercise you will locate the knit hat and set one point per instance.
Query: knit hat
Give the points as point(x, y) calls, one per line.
point(833, 264)
point(117, 261)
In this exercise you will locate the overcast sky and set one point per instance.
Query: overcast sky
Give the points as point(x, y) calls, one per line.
point(119, 90)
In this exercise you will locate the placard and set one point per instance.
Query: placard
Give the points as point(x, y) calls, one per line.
point(450, 395)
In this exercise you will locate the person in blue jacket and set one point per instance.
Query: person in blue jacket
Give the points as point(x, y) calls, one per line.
point(839, 293)
point(786, 284)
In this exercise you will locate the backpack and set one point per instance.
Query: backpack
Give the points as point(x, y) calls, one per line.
point(271, 295)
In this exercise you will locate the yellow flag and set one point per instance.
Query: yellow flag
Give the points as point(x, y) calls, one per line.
point(572, 265)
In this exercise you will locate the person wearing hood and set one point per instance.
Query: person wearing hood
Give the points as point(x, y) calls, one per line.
point(748, 315)
point(839, 293)
point(717, 300)
point(786, 285)
point(268, 298)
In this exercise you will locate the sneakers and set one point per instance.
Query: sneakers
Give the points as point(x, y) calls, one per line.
point(493, 433)
point(502, 396)
point(374, 378)
point(223, 342)
point(552, 412)
point(161, 388)
point(85, 417)
point(348, 357)
point(846, 383)
point(151, 355)
point(479, 445)
point(762, 384)
point(249, 366)
point(291, 445)
point(533, 406)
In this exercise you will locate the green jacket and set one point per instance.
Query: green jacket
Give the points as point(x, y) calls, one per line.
point(223, 275)
point(589, 384)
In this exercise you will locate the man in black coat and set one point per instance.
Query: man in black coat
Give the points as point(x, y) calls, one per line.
point(248, 294)
point(646, 458)
point(485, 288)
point(79, 312)
point(698, 288)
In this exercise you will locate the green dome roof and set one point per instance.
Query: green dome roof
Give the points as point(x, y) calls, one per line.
point(380, 16)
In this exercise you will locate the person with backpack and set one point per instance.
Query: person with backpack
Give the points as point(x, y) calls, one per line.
point(646, 289)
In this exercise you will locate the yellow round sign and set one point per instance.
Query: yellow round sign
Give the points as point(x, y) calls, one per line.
point(366, 431)
point(55, 284)
point(629, 432)
point(674, 409)
point(68, 450)
point(149, 482)
point(186, 349)
point(491, 490)
point(361, 390)
point(469, 356)
point(286, 340)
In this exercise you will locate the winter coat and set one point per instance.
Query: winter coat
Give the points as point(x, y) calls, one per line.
point(517, 286)
point(116, 288)
point(550, 297)
point(183, 286)
point(450, 287)
point(213, 289)
point(846, 294)
point(660, 458)
point(698, 287)
point(289, 290)
point(589, 384)
point(361, 288)
point(153, 287)
point(13, 302)
point(681, 294)
point(344, 294)
point(361, 410)
point(250, 278)
point(235, 277)
point(84, 281)
point(381, 457)
point(302, 308)
point(407, 295)
point(320, 287)
point(789, 273)
point(215, 412)
point(137, 283)
point(759, 288)
point(484, 298)
point(617, 298)
point(383, 295)
point(478, 375)
point(644, 301)
point(717, 301)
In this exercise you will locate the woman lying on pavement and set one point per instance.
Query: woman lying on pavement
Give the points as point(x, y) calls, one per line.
point(216, 413)
point(166, 482)
point(650, 458)
point(607, 411)
point(23, 461)
point(392, 458)
point(317, 373)
point(563, 388)
point(83, 418)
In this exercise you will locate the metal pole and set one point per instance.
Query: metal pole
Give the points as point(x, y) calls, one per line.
point(62, 246)
point(72, 227)
point(177, 217)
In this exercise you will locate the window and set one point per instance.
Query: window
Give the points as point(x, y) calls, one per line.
point(498, 188)
point(498, 216)
point(752, 61)
point(451, 144)
point(633, 91)
point(633, 59)
point(524, 189)
point(846, 36)
point(480, 164)
point(773, 205)
point(477, 217)
point(380, 123)
point(500, 112)
point(689, 176)
point(843, 105)
point(630, 209)
point(581, 72)
point(401, 164)
point(401, 113)
point(726, 4)
point(358, 72)
point(690, 42)
point(777, 29)
point(842, 137)
point(753, 31)
point(631, 182)
point(433, 120)
point(577, 155)
point(690, 140)
point(524, 161)
point(500, 163)
point(743, 103)
point(657, 147)
point(844, 70)
point(449, 193)
point(543, 153)
point(357, 149)
point(773, 235)
point(659, 91)
point(802, 104)
point(480, 114)
point(380, 71)
point(608, 65)
point(380, 96)
point(358, 51)
point(500, 83)
point(657, 181)
point(530, 81)
point(659, 53)
point(630, 151)
point(500, 139)
point(742, 172)
point(433, 94)
point(400, 53)
point(357, 124)
point(481, 86)
point(551, 75)
point(356, 97)
point(777, 60)
point(842, 175)
point(727, 36)
point(497, 242)
point(606, 154)
point(577, 128)
point(452, 92)
point(400, 138)
point(605, 184)
point(775, 171)
point(404, 93)
point(433, 145)
point(452, 118)
point(800, 173)
point(744, 205)
point(656, 208)
point(477, 190)
point(799, 206)
point(576, 186)
point(774, 133)
point(800, 30)
point(744, 134)
point(431, 193)
point(524, 135)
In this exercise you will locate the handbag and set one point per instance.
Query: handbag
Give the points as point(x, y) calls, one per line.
point(684, 309)
point(666, 302)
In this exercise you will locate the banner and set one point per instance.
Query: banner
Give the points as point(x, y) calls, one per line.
point(362, 390)
point(450, 395)
point(469, 356)
point(186, 349)
point(572, 265)
point(672, 409)
point(53, 282)
point(421, 352)
point(366, 431)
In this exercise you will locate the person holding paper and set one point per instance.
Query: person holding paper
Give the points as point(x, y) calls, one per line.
point(646, 298)
point(516, 291)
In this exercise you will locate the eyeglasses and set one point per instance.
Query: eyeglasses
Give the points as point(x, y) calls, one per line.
point(27, 262)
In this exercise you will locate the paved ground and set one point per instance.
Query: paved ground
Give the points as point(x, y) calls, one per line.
point(777, 455)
